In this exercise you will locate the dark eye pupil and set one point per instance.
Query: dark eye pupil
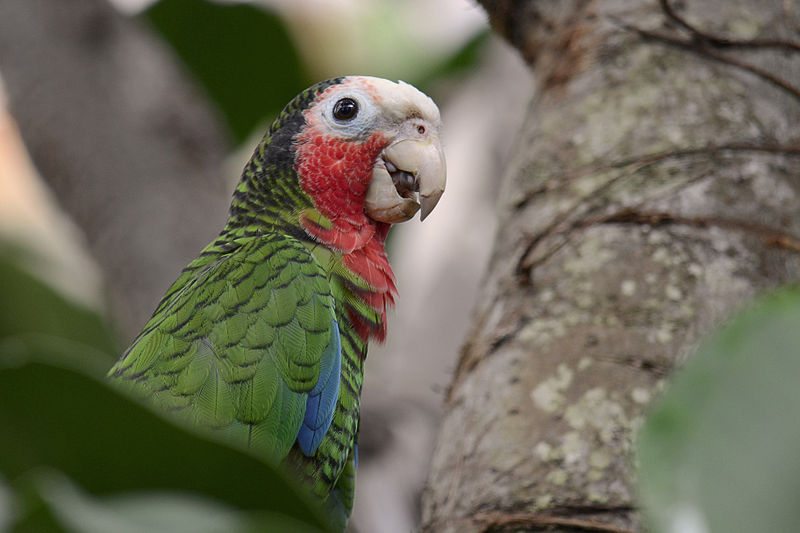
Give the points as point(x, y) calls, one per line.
point(345, 109)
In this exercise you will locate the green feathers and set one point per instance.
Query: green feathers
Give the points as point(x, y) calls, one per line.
point(254, 339)
point(237, 342)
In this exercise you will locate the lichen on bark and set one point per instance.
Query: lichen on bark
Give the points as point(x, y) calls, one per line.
point(651, 194)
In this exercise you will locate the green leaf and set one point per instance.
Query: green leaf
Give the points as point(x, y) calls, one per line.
point(29, 306)
point(60, 417)
point(241, 53)
point(66, 506)
point(720, 450)
point(7, 505)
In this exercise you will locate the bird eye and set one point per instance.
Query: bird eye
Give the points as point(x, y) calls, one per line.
point(345, 109)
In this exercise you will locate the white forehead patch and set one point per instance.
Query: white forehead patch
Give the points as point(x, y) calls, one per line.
point(400, 97)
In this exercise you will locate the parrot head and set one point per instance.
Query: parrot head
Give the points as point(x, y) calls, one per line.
point(395, 127)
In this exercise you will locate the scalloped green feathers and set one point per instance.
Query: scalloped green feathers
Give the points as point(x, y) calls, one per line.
point(240, 344)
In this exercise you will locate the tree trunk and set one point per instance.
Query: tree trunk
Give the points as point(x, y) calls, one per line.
point(92, 91)
point(653, 191)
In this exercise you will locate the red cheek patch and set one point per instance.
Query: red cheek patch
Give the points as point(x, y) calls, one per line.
point(336, 173)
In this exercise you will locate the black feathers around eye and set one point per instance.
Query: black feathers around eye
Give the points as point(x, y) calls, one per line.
point(345, 109)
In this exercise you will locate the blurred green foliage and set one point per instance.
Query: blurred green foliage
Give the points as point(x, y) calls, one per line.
point(244, 57)
point(29, 306)
point(241, 54)
point(720, 450)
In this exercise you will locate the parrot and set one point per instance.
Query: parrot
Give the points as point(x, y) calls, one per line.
point(263, 337)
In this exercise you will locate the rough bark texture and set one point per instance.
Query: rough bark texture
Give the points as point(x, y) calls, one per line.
point(119, 134)
point(652, 192)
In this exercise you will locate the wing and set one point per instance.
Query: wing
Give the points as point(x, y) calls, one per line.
point(245, 341)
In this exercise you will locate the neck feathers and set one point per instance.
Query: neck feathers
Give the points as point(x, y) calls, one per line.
point(336, 175)
point(313, 187)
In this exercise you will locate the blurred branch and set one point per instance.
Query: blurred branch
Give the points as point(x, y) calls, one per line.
point(129, 146)
point(725, 42)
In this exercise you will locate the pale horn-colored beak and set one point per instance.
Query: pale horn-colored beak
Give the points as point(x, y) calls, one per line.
point(409, 174)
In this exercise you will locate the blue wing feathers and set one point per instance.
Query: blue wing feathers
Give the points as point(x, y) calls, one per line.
point(321, 401)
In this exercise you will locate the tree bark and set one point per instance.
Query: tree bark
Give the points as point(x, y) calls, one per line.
point(652, 192)
point(127, 143)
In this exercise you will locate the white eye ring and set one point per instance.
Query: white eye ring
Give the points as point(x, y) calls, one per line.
point(359, 124)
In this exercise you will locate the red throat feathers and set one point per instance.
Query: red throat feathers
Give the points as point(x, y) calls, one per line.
point(336, 174)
